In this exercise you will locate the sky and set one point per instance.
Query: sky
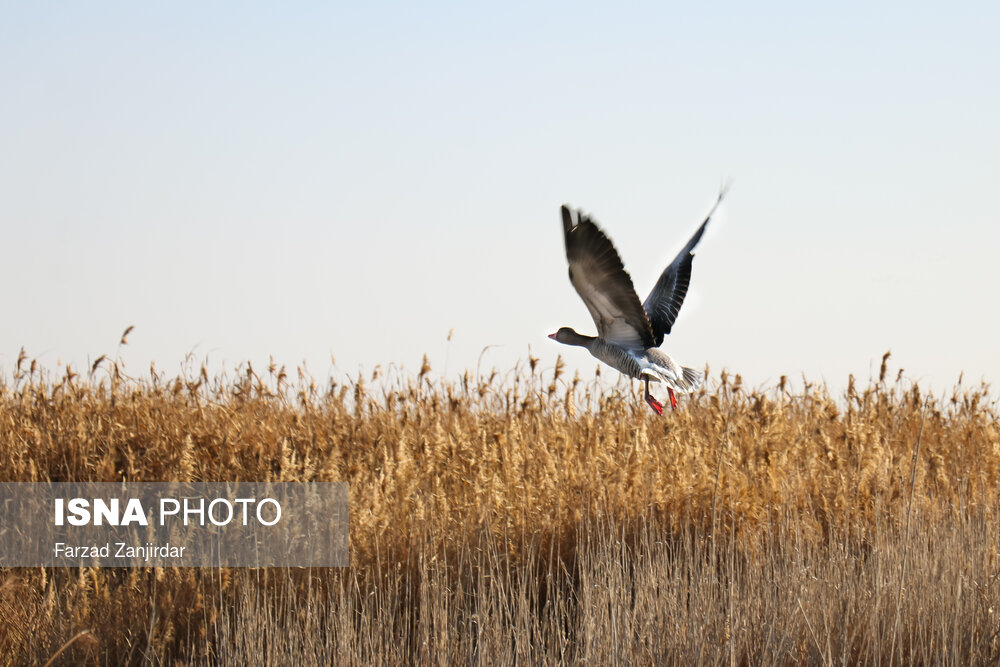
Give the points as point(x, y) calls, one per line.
point(343, 184)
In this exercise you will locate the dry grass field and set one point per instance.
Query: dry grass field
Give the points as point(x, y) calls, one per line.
point(532, 518)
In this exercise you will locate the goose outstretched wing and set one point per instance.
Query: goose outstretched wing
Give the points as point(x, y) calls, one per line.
point(597, 273)
point(665, 300)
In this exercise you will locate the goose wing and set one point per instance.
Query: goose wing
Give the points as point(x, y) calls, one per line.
point(597, 273)
point(667, 296)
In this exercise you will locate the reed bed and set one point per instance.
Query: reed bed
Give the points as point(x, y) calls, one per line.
point(530, 517)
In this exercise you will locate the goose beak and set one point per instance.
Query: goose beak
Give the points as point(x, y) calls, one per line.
point(552, 336)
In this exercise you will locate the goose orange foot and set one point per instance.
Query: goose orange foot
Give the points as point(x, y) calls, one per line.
point(653, 403)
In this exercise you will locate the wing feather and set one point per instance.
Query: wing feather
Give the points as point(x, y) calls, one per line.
point(667, 296)
point(599, 277)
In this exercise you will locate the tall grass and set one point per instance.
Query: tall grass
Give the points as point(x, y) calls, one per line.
point(531, 517)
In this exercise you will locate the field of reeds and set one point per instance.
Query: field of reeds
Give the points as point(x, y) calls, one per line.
point(528, 517)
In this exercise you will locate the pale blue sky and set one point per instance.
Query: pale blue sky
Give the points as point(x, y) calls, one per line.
point(299, 180)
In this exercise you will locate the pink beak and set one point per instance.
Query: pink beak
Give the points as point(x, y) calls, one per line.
point(552, 336)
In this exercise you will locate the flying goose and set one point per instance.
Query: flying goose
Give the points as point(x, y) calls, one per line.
point(628, 332)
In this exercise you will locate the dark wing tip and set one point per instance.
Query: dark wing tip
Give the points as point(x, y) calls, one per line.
point(567, 218)
point(724, 189)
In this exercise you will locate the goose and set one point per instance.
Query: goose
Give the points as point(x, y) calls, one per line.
point(629, 333)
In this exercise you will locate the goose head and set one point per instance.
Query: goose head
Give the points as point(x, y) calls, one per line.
point(568, 336)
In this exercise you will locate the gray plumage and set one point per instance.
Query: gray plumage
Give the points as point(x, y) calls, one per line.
point(628, 331)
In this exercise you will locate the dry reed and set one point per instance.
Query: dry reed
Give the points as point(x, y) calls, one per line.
point(530, 517)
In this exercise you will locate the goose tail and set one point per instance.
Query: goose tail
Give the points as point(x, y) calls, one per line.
point(679, 378)
point(690, 379)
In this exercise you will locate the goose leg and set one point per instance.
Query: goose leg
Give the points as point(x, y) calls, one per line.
point(653, 403)
point(673, 398)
